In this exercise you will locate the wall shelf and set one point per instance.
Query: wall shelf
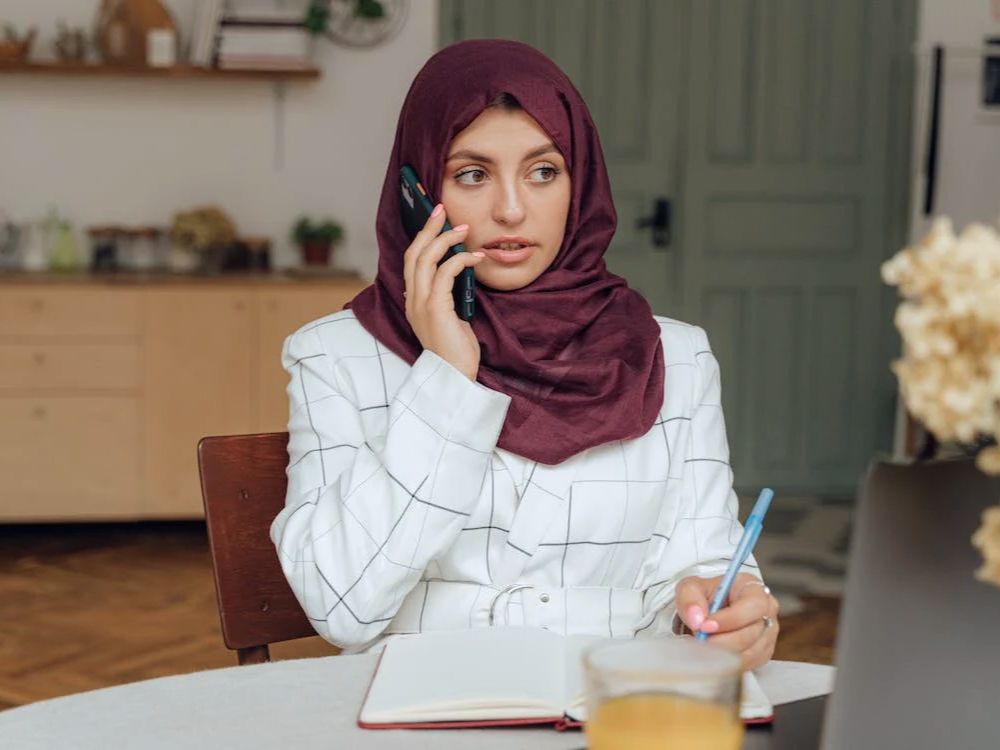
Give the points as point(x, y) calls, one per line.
point(176, 71)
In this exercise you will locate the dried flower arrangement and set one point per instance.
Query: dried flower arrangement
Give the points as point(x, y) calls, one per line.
point(949, 373)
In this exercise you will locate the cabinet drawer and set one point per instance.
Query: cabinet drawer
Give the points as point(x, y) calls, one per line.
point(69, 457)
point(69, 366)
point(58, 311)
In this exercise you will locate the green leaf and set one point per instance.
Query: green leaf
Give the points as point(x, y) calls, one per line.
point(317, 16)
point(369, 9)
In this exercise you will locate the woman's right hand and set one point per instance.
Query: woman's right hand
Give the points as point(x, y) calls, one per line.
point(430, 307)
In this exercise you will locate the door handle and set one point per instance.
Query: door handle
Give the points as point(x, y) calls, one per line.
point(659, 222)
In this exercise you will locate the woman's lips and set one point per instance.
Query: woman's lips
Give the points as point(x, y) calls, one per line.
point(509, 256)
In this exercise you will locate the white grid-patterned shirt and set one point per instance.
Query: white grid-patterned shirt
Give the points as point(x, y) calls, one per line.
point(403, 515)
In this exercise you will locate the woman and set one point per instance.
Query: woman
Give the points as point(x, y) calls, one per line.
point(562, 461)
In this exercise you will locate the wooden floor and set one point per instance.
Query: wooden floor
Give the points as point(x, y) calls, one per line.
point(89, 606)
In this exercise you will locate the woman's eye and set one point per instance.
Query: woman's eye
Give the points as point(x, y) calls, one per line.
point(549, 173)
point(478, 176)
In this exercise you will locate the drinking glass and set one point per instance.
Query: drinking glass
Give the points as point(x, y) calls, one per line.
point(662, 692)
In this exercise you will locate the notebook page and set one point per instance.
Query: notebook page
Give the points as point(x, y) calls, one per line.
point(573, 667)
point(755, 703)
point(468, 675)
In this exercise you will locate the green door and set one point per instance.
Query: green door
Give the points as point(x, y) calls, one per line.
point(776, 132)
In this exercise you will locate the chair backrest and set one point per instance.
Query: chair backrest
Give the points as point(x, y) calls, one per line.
point(243, 487)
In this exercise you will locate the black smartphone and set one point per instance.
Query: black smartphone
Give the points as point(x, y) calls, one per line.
point(415, 209)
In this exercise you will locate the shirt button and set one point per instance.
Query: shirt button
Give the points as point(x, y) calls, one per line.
point(544, 598)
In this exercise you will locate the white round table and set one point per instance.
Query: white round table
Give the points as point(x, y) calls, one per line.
point(295, 704)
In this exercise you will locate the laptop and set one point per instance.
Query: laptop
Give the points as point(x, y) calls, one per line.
point(918, 645)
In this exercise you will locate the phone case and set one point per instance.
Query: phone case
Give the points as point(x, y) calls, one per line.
point(415, 209)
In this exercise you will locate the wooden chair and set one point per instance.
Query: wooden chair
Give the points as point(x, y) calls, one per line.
point(243, 487)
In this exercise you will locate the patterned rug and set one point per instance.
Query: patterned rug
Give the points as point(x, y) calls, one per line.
point(803, 549)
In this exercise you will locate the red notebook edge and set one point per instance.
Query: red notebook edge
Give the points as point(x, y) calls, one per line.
point(550, 721)
point(559, 723)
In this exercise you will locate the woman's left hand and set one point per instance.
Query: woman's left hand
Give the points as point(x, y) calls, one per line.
point(742, 625)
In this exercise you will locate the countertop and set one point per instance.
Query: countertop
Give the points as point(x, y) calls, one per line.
point(134, 278)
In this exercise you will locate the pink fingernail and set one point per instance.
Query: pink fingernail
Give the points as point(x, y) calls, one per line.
point(461, 227)
point(695, 617)
point(479, 254)
point(437, 209)
point(710, 626)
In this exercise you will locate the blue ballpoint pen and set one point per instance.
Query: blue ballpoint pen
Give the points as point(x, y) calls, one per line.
point(751, 532)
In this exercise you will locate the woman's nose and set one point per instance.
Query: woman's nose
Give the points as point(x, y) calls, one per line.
point(508, 208)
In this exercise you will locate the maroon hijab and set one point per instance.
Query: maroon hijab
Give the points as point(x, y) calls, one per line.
point(577, 351)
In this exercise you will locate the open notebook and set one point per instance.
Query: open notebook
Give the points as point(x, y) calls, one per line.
point(492, 677)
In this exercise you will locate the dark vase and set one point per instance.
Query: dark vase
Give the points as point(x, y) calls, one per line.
point(211, 259)
point(316, 253)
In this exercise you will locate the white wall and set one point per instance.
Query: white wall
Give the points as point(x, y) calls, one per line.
point(969, 145)
point(136, 150)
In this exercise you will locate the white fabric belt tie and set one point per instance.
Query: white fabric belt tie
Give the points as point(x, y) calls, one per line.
point(450, 605)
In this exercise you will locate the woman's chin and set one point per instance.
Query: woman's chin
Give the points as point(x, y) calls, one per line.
point(505, 278)
point(504, 281)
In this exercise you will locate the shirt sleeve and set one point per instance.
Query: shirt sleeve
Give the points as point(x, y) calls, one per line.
point(364, 514)
point(707, 530)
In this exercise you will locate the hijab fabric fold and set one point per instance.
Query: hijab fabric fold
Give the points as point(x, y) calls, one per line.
point(577, 350)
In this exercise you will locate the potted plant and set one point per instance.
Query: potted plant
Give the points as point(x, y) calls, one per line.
point(200, 239)
point(315, 239)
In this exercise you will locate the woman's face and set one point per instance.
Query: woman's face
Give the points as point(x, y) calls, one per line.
point(506, 179)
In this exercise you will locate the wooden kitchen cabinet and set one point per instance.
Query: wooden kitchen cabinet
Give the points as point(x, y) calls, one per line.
point(69, 457)
point(67, 311)
point(199, 381)
point(106, 387)
point(65, 366)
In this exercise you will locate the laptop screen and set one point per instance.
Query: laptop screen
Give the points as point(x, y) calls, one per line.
point(918, 649)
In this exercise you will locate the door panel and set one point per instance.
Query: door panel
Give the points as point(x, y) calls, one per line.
point(785, 200)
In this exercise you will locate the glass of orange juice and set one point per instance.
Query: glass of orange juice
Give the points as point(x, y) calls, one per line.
point(663, 692)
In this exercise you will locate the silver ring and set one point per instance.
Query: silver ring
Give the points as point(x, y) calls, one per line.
point(768, 622)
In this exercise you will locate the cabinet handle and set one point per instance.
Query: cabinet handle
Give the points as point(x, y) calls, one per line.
point(240, 305)
point(37, 304)
point(39, 412)
point(39, 358)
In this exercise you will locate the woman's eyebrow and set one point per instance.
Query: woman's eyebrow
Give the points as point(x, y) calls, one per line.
point(475, 156)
